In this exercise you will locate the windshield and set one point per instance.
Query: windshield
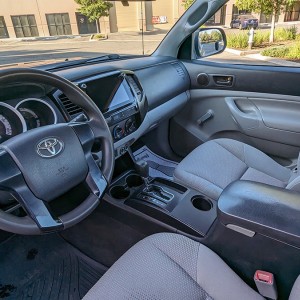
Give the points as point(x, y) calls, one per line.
point(61, 33)
point(43, 32)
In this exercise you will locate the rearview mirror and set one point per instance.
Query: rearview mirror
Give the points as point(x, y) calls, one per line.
point(209, 41)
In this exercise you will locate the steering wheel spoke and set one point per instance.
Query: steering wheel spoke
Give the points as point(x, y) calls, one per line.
point(95, 179)
point(11, 179)
point(37, 210)
point(85, 135)
point(9, 170)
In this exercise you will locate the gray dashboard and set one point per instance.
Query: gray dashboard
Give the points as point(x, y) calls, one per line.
point(164, 83)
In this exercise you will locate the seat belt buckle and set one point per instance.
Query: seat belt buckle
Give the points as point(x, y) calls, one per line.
point(266, 284)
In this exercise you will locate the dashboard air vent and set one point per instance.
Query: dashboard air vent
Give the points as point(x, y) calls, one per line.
point(70, 107)
point(179, 69)
point(135, 86)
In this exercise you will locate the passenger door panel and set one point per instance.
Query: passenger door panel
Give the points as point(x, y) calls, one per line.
point(261, 108)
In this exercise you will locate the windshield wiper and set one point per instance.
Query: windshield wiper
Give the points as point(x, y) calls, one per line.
point(77, 62)
point(103, 57)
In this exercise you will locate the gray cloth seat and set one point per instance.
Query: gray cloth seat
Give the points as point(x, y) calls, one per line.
point(217, 163)
point(170, 266)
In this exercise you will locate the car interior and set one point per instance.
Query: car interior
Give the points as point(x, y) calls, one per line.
point(151, 177)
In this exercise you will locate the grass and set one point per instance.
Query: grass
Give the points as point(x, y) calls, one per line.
point(98, 36)
point(291, 52)
point(261, 38)
point(237, 40)
point(285, 34)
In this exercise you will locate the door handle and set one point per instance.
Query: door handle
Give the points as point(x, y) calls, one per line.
point(223, 80)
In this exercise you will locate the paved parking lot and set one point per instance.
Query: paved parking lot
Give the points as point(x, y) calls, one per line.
point(30, 52)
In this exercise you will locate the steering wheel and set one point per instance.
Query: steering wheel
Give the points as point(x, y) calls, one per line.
point(42, 164)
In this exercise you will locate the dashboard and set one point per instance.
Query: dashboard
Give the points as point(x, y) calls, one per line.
point(134, 95)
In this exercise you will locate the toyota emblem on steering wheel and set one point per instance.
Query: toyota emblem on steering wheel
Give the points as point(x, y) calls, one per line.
point(49, 147)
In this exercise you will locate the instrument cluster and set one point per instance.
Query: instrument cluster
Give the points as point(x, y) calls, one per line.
point(28, 114)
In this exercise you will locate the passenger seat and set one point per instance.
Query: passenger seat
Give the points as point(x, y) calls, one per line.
point(211, 167)
point(168, 266)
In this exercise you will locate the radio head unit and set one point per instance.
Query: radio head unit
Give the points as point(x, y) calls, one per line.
point(110, 93)
point(120, 98)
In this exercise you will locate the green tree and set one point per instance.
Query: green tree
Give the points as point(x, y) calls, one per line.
point(268, 7)
point(187, 3)
point(94, 9)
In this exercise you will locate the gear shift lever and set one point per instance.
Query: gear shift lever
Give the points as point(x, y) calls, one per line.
point(152, 191)
point(142, 168)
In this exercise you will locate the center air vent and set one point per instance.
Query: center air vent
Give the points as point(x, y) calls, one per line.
point(72, 109)
point(135, 86)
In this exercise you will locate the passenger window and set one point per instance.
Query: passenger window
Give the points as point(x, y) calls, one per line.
point(249, 34)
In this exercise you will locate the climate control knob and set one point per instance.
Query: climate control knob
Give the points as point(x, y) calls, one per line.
point(118, 132)
point(130, 126)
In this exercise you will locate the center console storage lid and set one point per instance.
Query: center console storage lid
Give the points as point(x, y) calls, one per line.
point(264, 209)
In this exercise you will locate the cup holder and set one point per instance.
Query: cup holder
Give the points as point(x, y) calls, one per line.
point(202, 203)
point(119, 192)
point(134, 181)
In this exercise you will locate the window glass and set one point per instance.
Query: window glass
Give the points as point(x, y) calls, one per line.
point(257, 47)
point(3, 28)
point(16, 21)
point(25, 26)
point(59, 24)
point(31, 20)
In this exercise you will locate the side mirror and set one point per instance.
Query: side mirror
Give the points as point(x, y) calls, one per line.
point(209, 41)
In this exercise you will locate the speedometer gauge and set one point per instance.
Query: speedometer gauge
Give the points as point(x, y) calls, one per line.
point(11, 122)
point(36, 113)
point(31, 118)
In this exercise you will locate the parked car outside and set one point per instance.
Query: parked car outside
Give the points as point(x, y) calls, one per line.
point(244, 22)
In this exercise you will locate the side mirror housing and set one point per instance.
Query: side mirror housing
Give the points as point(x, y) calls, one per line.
point(209, 41)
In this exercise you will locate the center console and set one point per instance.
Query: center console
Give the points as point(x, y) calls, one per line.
point(253, 208)
point(252, 226)
point(166, 201)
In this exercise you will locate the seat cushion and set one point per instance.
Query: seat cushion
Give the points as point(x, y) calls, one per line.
point(217, 163)
point(170, 266)
point(296, 290)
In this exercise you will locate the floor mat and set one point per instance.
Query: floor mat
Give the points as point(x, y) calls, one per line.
point(45, 267)
point(159, 166)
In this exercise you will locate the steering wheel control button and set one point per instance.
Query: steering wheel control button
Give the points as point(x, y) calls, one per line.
point(49, 147)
